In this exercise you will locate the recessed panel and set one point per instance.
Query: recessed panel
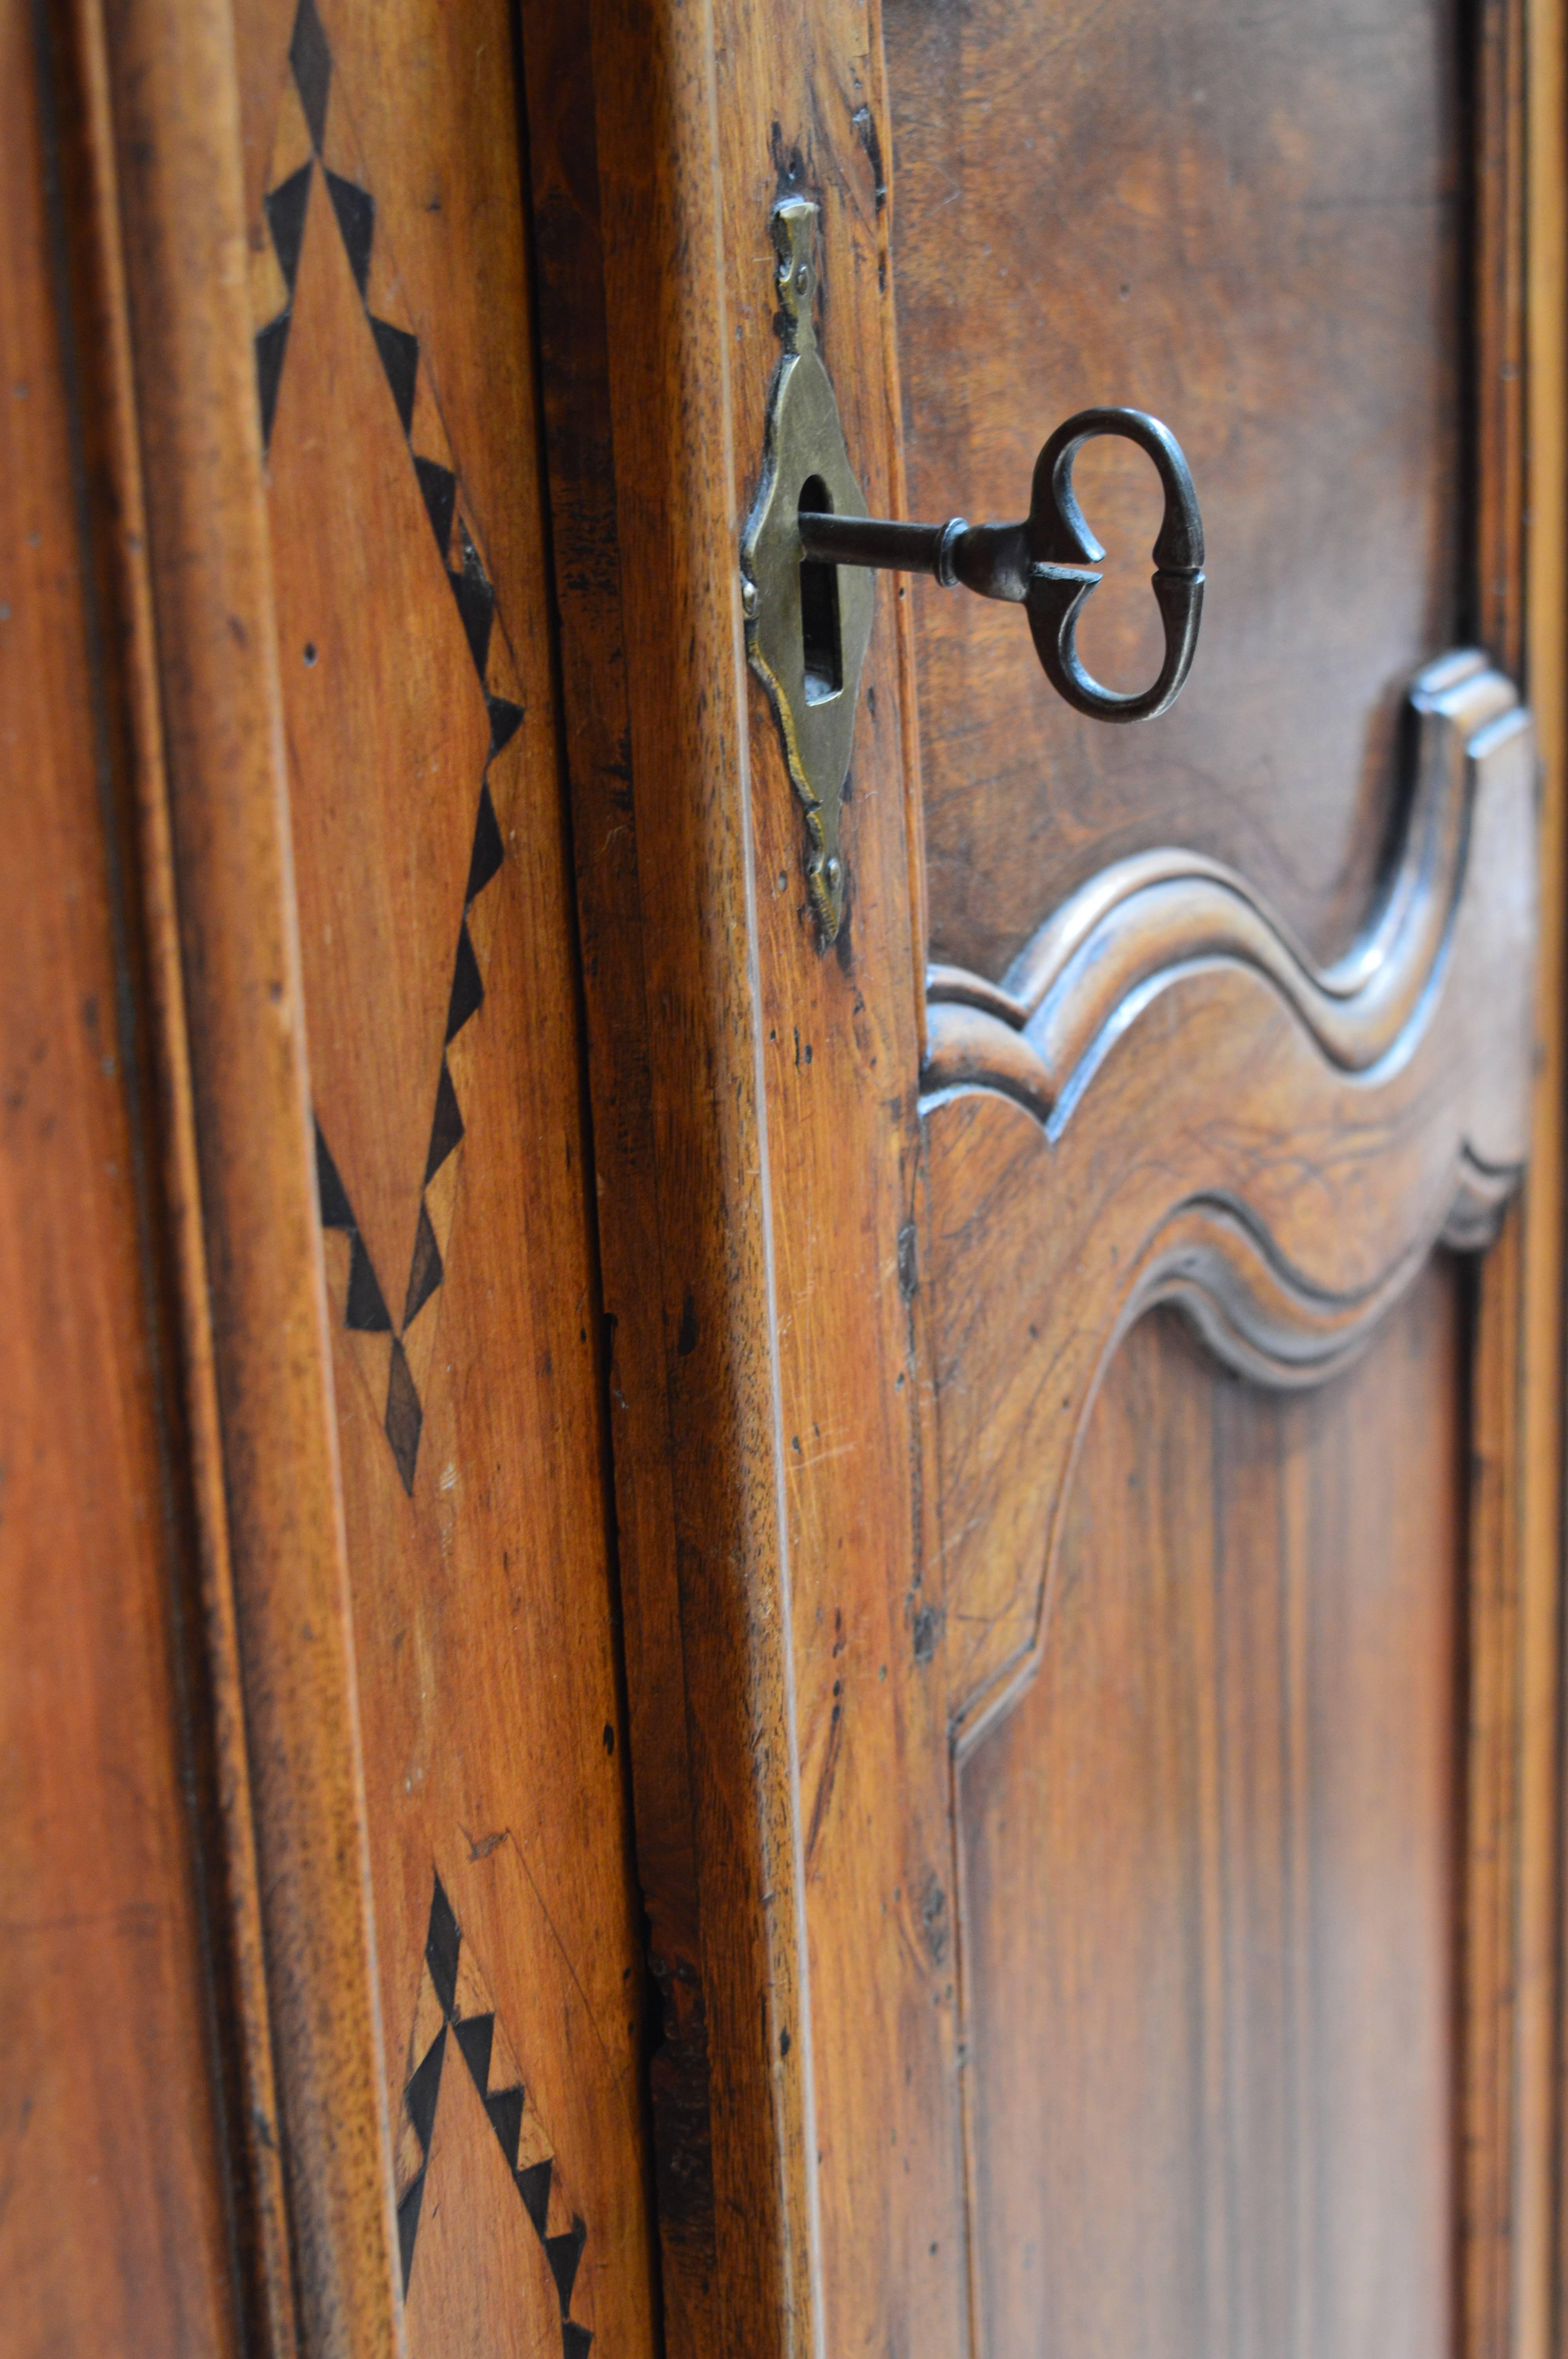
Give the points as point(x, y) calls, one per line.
point(1209, 1877)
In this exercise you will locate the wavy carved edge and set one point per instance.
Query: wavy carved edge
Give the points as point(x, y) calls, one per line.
point(1040, 1036)
point(1032, 1034)
point(1416, 1047)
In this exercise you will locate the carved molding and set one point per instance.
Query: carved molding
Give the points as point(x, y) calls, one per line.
point(1166, 1100)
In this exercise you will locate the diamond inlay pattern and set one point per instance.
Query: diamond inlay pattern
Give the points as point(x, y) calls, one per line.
point(454, 2022)
point(398, 738)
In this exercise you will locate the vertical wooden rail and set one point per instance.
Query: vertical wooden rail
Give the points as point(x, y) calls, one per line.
point(1514, 1821)
point(658, 112)
point(227, 875)
point(116, 2233)
point(776, 1170)
point(1540, 2279)
point(99, 330)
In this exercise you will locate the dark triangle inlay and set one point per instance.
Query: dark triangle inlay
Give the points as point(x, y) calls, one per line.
point(564, 2252)
point(405, 1418)
point(286, 219)
point(409, 2228)
point(270, 342)
point(467, 987)
point(504, 718)
point(533, 2187)
point(366, 1313)
point(400, 358)
point(355, 209)
point(476, 605)
point(447, 1130)
point(577, 2340)
point(311, 60)
point(440, 486)
point(426, 1272)
point(488, 849)
point(505, 2110)
point(443, 1937)
point(475, 2038)
point(419, 2097)
point(336, 1211)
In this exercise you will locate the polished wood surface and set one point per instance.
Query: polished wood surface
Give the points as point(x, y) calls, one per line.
point(777, 1080)
point(339, 770)
point(113, 2233)
point(852, 1744)
point(389, 308)
point(1513, 2278)
point(725, 1734)
point(1035, 1520)
point(1328, 825)
point(180, 228)
point(1293, 1190)
point(580, 461)
point(1534, 1400)
point(1210, 1873)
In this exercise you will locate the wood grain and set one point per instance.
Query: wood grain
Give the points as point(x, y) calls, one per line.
point(171, 74)
point(1511, 1704)
point(134, 726)
point(386, 236)
point(115, 2231)
point(837, 1825)
point(1257, 230)
point(1515, 1816)
point(1540, 2280)
point(777, 1078)
point(580, 461)
point(1210, 1869)
point(999, 1677)
point(1280, 1216)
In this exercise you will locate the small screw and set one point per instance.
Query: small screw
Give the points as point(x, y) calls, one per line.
point(748, 600)
point(832, 871)
point(802, 279)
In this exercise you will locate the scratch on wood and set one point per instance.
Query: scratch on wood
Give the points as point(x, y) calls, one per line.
point(829, 1771)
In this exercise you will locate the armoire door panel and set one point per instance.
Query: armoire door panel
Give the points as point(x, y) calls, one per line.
point(390, 307)
point(1172, 2033)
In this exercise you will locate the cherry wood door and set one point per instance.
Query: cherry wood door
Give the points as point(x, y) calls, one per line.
point(737, 1636)
point(1093, 1676)
point(1209, 1709)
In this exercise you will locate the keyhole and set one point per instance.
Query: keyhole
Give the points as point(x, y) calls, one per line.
point(820, 641)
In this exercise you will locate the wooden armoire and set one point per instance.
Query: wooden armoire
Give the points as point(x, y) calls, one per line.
point(781, 1356)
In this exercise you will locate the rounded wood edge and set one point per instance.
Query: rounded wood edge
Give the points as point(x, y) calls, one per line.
point(1093, 962)
point(233, 1891)
point(170, 72)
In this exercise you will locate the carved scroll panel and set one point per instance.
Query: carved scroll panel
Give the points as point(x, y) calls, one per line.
point(1166, 1101)
point(1159, 1888)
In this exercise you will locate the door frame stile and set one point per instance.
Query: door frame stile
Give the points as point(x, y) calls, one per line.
point(1512, 1882)
point(101, 336)
point(741, 2258)
point(774, 1160)
point(159, 82)
point(1543, 1819)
